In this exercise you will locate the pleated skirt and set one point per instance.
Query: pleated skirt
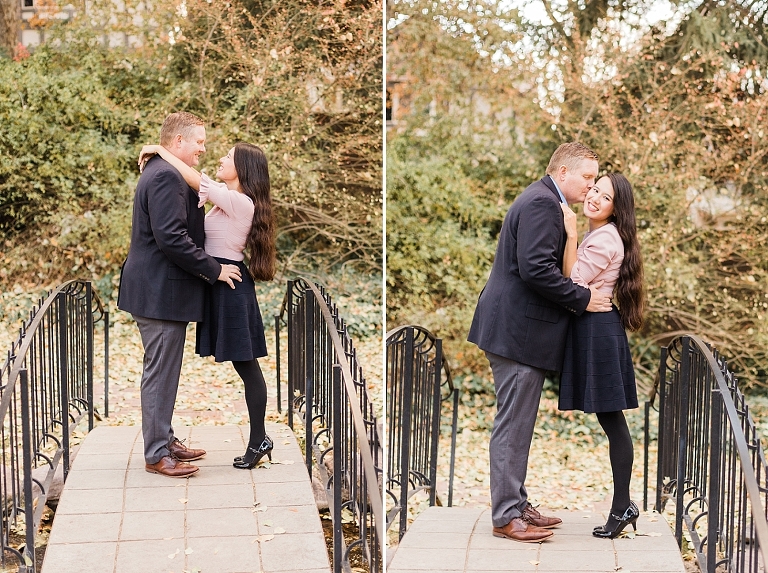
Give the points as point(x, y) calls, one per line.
point(232, 328)
point(597, 375)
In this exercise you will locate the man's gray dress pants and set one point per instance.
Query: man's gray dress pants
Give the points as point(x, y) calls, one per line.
point(163, 342)
point(518, 390)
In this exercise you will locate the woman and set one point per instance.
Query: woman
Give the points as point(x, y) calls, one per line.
point(597, 374)
point(232, 328)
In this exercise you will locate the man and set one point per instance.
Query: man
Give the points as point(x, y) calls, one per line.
point(521, 321)
point(162, 285)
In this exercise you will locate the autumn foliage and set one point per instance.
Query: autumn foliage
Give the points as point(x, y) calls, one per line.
point(680, 110)
point(300, 79)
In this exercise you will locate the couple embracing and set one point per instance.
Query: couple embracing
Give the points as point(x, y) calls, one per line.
point(185, 266)
point(547, 306)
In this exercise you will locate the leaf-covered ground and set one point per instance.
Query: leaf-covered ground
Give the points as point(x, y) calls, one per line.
point(211, 393)
point(568, 465)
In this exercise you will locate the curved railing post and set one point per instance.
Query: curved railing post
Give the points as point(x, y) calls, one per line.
point(64, 379)
point(660, 452)
point(454, 427)
point(89, 353)
point(406, 426)
point(26, 441)
point(713, 504)
point(106, 363)
point(685, 384)
point(436, 422)
point(46, 390)
point(277, 363)
point(720, 464)
point(646, 447)
point(415, 367)
point(320, 355)
point(292, 359)
point(309, 376)
point(338, 536)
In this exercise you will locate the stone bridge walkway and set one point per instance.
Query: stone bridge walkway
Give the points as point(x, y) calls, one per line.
point(452, 539)
point(114, 517)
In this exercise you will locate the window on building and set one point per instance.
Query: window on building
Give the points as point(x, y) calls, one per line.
point(27, 3)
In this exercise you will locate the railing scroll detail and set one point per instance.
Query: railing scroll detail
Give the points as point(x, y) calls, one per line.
point(710, 464)
point(419, 382)
point(328, 393)
point(46, 390)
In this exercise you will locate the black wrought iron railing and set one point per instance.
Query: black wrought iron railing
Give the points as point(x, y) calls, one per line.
point(328, 392)
point(710, 461)
point(46, 390)
point(419, 382)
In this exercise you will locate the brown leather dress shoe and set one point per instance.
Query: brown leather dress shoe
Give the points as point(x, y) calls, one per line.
point(181, 452)
point(532, 516)
point(520, 530)
point(171, 467)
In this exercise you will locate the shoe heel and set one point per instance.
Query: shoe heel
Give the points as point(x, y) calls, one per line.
point(269, 455)
point(634, 525)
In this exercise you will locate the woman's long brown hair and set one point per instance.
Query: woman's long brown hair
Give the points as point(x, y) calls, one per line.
point(253, 174)
point(630, 295)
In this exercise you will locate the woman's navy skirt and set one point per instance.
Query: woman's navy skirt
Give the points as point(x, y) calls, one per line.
point(597, 375)
point(232, 328)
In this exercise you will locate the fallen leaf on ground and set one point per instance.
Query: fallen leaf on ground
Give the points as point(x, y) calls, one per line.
point(279, 530)
point(533, 562)
point(188, 550)
point(183, 500)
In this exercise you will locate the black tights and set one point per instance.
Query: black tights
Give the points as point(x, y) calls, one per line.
point(255, 398)
point(622, 455)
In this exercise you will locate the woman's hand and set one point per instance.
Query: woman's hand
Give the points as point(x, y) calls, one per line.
point(569, 218)
point(146, 152)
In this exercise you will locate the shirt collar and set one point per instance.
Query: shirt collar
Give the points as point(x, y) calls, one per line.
point(562, 197)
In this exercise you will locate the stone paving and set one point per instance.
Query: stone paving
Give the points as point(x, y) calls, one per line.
point(451, 539)
point(114, 517)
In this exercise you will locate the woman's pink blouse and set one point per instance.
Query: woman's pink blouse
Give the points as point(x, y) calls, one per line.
point(598, 258)
point(226, 225)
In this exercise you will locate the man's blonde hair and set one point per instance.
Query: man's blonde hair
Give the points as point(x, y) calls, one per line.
point(569, 154)
point(179, 123)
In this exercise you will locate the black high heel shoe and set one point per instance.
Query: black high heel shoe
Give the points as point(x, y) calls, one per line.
point(616, 524)
point(252, 456)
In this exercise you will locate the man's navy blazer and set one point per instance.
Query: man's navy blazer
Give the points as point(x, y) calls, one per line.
point(524, 310)
point(166, 270)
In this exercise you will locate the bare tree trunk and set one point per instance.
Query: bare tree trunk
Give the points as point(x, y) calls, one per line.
point(10, 26)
